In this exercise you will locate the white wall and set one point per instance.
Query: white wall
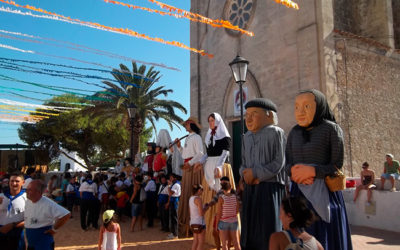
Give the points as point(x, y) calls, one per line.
point(383, 213)
point(74, 166)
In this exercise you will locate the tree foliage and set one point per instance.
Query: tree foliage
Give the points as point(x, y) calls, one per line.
point(138, 87)
point(95, 139)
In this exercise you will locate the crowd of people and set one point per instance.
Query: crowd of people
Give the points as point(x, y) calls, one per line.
point(191, 188)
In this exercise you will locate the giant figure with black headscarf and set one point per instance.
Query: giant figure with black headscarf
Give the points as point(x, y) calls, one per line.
point(314, 150)
point(262, 169)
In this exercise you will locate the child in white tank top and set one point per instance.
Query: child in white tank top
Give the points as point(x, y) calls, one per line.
point(110, 233)
point(197, 217)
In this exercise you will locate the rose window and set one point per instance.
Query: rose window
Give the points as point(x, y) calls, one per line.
point(239, 13)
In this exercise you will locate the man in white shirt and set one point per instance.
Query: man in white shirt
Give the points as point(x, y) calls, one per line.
point(151, 198)
point(174, 190)
point(43, 217)
point(12, 207)
point(88, 192)
point(118, 166)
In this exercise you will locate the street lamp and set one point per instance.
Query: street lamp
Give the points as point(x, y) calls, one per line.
point(132, 113)
point(239, 71)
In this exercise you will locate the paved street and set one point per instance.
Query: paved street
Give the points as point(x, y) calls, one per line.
point(365, 238)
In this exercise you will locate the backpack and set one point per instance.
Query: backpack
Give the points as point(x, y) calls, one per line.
point(294, 243)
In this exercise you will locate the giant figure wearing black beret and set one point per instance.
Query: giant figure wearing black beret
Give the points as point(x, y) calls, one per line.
point(262, 170)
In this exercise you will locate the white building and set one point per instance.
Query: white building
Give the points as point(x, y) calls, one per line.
point(67, 164)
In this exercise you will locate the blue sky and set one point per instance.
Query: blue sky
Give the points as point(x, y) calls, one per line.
point(151, 24)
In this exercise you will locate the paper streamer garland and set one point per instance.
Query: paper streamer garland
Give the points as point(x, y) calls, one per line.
point(44, 100)
point(67, 58)
point(288, 3)
point(25, 104)
point(136, 75)
point(87, 97)
point(81, 47)
point(21, 109)
point(13, 67)
point(125, 31)
point(7, 78)
point(186, 14)
point(17, 49)
point(19, 118)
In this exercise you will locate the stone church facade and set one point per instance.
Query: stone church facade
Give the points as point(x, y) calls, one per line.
point(348, 49)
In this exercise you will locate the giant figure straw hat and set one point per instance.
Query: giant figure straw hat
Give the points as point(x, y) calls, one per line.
point(194, 120)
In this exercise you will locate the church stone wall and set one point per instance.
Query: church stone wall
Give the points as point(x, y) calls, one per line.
point(369, 88)
point(283, 55)
point(294, 50)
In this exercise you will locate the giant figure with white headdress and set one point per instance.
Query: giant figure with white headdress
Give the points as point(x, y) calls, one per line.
point(218, 142)
point(192, 152)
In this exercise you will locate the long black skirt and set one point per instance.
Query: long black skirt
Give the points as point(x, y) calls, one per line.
point(260, 214)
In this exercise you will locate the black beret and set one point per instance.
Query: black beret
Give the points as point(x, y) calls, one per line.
point(261, 103)
point(151, 144)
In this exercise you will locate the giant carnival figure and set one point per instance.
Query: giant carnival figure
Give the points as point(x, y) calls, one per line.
point(315, 150)
point(192, 151)
point(262, 169)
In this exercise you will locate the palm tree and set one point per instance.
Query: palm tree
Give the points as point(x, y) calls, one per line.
point(137, 86)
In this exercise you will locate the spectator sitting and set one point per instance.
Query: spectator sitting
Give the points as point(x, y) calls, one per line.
point(390, 171)
point(367, 182)
point(295, 216)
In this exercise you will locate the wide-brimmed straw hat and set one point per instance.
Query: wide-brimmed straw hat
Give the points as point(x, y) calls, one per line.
point(194, 120)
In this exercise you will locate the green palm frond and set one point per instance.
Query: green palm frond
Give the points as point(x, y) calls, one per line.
point(146, 96)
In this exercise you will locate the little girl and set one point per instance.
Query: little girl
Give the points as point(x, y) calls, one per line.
point(110, 233)
point(227, 219)
point(197, 223)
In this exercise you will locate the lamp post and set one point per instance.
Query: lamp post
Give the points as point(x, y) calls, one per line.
point(132, 113)
point(239, 71)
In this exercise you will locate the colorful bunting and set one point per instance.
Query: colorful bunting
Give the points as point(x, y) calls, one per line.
point(20, 118)
point(288, 3)
point(69, 75)
point(125, 31)
point(185, 14)
point(18, 108)
point(25, 104)
point(82, 47)
point(136, 75)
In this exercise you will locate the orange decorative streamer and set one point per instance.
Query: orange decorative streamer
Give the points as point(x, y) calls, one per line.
point(288, 3)
point(185, 14)
point(113, 29)
point(19, 118)
point(21, 109)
